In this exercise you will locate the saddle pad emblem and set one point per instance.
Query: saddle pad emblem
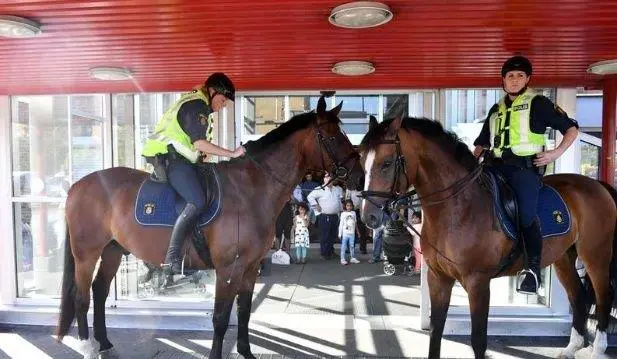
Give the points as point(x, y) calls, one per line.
point(558, 216)
point(149, 208)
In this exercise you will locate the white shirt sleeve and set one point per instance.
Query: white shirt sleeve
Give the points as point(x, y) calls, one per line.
point(312, 199)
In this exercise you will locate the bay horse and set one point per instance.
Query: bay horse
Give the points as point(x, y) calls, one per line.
point(459, 241)
point(101, 224)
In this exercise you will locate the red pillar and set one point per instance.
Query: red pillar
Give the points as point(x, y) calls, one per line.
point(609, 124)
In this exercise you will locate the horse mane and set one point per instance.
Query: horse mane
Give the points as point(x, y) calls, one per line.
point(433, 131)
point(272, 139)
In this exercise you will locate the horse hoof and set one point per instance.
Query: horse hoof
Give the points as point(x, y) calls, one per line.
point(108, 354)
point(588, 353)
point(569, 352)
point(248, 355)
point(86, 348)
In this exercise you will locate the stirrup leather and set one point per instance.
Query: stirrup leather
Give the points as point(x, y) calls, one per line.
point(520, 277)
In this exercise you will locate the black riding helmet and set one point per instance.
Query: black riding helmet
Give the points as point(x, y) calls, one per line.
point(516, 63)
point(221, 84)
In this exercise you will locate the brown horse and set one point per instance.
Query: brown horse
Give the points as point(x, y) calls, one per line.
point(458, 238)
point(101, 224)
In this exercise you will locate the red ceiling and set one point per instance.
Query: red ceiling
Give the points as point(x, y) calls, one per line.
point(290, 45)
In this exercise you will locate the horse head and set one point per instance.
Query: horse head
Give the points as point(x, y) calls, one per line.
point(332, 150)
point(386, 168)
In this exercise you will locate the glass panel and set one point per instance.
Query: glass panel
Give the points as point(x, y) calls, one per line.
point(590, 160)
point(123, 130)
point(356, 111)
point(422, 104)
point(132, 287)
point(151, 108)
point(302, 104)
point(39, 249)
point(394, 105)
point(40, 143)
point(86, 129)
point(469, 106)
point(262, 114)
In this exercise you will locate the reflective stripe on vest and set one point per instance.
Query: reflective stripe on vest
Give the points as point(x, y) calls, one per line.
point(168, 131)
point(522, 141)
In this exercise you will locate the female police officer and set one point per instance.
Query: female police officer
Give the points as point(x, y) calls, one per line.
point(514, 131)
point(188, 127)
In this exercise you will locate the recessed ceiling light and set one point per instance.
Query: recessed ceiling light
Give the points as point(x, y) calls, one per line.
point(608, 67)
point(360, 14)
point(18, 27)
point(353, 68)
point(111, 73)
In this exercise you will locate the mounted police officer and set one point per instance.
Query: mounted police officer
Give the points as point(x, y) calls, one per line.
point(514, 131)
point(181, 136)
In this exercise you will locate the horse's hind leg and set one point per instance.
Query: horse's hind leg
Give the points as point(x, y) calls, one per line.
point(245, 301)
point(223, 302)
point(110, 261)
point(568, 276)
point(597, 265)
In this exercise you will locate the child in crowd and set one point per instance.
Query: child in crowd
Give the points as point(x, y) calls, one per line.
point(347, 232)
point(301, 233)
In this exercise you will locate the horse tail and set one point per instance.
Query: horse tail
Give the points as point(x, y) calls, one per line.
point(613, 270)
point(67, 301)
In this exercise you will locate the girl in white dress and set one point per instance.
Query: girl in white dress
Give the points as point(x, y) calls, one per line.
point(301, 233)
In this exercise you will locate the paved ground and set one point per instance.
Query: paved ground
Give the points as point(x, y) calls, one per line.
point(320, 309)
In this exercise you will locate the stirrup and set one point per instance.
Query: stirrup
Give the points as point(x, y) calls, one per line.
point(520, 277)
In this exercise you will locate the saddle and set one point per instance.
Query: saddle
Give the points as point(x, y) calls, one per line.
point(158, 204)
point(552, 210)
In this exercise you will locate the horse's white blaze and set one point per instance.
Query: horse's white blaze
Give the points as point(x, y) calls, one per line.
point(368, 165)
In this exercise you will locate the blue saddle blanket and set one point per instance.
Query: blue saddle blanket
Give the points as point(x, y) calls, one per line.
point(158, 204)
point(552, 211)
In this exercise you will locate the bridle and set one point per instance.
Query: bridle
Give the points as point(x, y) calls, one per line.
point(338, 169)
point(396, 200)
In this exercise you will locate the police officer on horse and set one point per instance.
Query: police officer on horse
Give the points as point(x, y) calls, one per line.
point(180, 138)
point(514, 132)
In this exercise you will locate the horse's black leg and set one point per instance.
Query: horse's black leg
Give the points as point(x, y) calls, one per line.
point(223, 301)
point(440, 288)
point(245, 300)
point(110, 260)
point(479, 299)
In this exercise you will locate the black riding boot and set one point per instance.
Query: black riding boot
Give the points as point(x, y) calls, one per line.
point(533, 243)
point(183, 225)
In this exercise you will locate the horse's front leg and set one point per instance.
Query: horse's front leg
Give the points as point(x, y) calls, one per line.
point(223, 302)
point(245, 300)
point(479, 293)
point(440, 288)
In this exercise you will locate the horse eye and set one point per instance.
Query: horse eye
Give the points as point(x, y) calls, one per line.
point(386, 164)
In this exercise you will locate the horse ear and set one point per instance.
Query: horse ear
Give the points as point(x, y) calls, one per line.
point(335, 111)
point(394, 126)
point(321, 106)
point(372, 122)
